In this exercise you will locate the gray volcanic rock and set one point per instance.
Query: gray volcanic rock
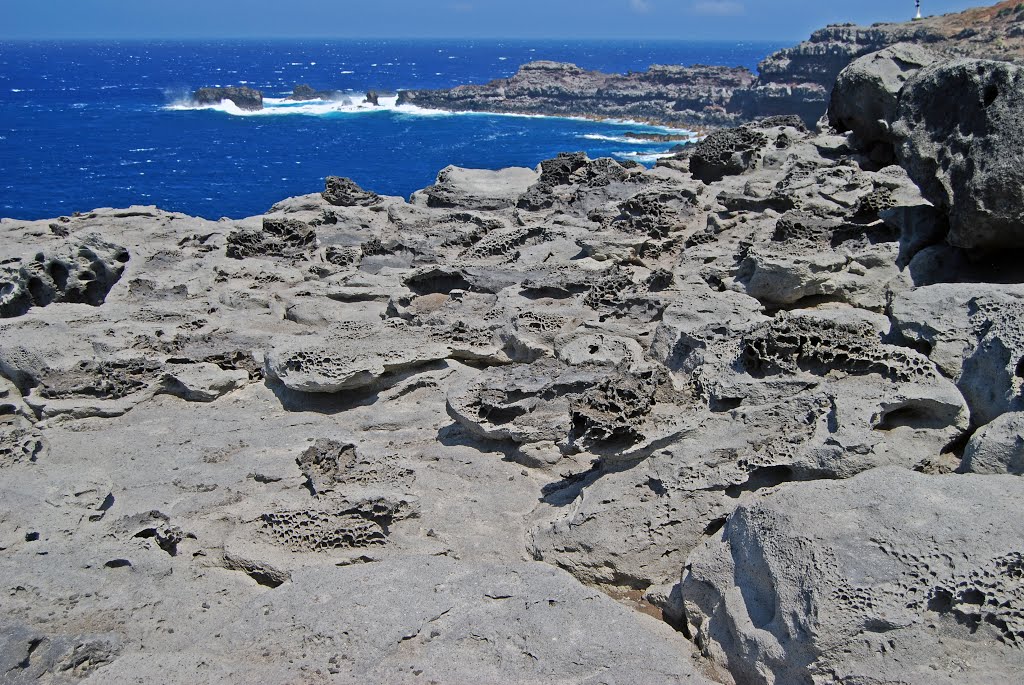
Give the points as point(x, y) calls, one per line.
point(793, 81)
point(304, 92)
point(476, 188)
point(278, 238)
point(459, 622)
point(960, 140)
point(865, 95)
point(344, 192)
point(248, 99)
point(799, 79)
point(998, 447)
point(81, 271)
point(972, 333)
point(231, 464)
point(807, 584)
point(724, 153)
point(360, 358)
point(671, 94)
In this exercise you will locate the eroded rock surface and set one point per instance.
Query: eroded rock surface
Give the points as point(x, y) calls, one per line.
point(854, 581)
point(477, 435)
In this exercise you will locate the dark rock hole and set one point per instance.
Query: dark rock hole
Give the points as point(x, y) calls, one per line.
point(33, 645)
point(941, 602)
point(990, 95)
point(117, 563)
point(761, 478)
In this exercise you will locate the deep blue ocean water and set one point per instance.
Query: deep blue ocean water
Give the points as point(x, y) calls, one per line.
point(85, 125)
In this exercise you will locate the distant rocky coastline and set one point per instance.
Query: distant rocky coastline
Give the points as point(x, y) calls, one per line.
point(796, 80)
point(663, 94)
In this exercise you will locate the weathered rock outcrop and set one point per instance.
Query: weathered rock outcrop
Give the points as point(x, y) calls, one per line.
point(866, 95)
point(857, 581)
point(960, 140)
point(245, 98)
point(754, 391)
point(304, 92)
point(669, 94)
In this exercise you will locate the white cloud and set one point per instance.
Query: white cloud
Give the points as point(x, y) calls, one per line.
point(641, 6)
point(718, 8)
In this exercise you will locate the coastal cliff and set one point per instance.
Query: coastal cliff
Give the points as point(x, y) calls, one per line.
point(668, 94)
point(795, 80)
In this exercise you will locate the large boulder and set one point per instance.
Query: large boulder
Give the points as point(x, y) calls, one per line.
point(960, 138)
point(972, 332)
point(477, 188)
point(997, 447)
point(865, 97)
point(889, 577)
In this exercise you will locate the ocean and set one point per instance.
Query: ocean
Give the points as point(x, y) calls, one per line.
point(106, 124)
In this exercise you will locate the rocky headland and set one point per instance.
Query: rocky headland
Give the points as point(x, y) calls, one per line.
point(797, 80)
point(752, 416)
point(665, 94)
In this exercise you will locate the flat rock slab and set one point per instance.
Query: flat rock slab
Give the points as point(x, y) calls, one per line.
point(421, 620)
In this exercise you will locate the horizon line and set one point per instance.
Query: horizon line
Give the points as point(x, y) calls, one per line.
point(185, 39)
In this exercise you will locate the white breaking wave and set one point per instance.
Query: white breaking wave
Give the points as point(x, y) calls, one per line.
point(643, 156)
point(629, 140)
point(318, 108)
point(355, 105)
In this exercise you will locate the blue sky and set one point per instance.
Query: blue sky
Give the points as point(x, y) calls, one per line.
point(652, 19)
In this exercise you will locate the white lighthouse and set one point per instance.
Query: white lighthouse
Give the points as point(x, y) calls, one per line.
point(918, 10)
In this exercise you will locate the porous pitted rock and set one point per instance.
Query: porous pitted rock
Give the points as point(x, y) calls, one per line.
point(997, 448)
point(248, 99)
point(80, 271)
point(865, 95)
point(725, 153)
point(832, 412)
point(855, 581)
point(279, 238)
point(361, 357)
point(344, 192)
point(959, 138)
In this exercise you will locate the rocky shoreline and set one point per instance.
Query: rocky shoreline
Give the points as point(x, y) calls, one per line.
point(795, 80)
point(754, 415)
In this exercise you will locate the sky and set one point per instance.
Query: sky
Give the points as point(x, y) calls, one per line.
point(568, 19)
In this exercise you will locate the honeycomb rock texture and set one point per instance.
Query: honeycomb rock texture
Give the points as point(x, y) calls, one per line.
point(81, 273)
point(788, 344)
point(345, 363)
point(726, 153)
point(344, 192)
point(278, 238)
point(309, 530)
point(810, 582)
